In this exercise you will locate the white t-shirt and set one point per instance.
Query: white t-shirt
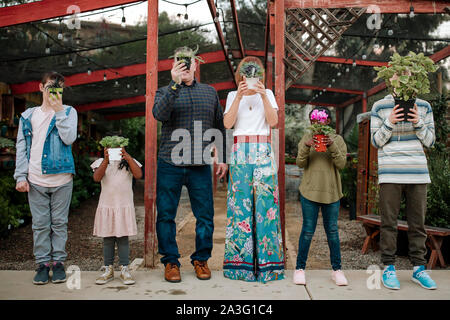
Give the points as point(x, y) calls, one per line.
point(40, 121)
point(251, 117)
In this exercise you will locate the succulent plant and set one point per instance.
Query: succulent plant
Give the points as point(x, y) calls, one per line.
point(251, 69)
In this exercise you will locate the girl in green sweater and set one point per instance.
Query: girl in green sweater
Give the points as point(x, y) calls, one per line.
point(320, 189)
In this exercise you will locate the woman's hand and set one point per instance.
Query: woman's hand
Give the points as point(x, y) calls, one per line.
point(310, 142)
point(261, 89)
point(327, 141)
point(242, 88)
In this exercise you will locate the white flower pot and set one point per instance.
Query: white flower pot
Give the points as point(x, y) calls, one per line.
point(251, 82)
point(114, 154)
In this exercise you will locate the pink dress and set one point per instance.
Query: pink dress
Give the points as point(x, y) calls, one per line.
point(115, 216)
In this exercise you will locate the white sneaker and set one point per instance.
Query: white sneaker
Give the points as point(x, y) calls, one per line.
point(339, 278)
point(125, 275)
point(107, 276)
point(299, 277)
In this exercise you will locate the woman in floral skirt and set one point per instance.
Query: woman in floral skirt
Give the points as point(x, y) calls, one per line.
point(253, 245)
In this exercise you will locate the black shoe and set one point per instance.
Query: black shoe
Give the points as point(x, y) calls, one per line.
point(59, 274)
point(41, 276)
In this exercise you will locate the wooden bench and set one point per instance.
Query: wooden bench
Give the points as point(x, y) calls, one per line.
point(435, 237)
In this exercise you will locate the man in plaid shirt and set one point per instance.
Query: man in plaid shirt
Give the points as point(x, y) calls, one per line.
point(189, 110)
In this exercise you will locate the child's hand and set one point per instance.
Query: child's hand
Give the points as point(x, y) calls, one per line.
point(106, 154)
point(125, 155)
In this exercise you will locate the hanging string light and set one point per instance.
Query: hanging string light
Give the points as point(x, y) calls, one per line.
point(104, 77)
point(411, 11)
point(89, 72)
point(123, 24)
point(186, 14)
point(70, 62)
point(47, 47)
point(60, 35)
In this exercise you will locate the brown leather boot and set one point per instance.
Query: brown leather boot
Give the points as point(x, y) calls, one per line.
point(202, 270)
point(172, 273)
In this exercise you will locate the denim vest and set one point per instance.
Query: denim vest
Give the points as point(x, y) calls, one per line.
point(56, 156)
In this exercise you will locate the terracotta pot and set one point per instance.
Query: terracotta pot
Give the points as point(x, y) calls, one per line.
point(320, 147)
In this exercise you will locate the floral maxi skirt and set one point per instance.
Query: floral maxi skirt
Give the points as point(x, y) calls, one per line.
point(253, 244)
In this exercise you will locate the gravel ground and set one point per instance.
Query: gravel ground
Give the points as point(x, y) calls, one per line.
point(85, 250)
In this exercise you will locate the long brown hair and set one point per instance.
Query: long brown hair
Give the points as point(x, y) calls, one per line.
point(238, 77)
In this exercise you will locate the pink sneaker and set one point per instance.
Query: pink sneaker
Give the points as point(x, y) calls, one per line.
point(299, 277)
point(339, 277)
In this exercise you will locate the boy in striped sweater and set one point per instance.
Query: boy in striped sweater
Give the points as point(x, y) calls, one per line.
point(402, 169)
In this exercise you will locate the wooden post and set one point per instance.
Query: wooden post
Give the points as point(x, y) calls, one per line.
point(151, 135)
point(280, 98)
point(337, 119)
point(269, 71)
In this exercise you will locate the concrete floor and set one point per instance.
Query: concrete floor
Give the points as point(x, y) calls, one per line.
point(150, 284)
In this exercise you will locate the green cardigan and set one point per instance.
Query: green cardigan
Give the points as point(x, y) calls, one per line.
point(321, 181)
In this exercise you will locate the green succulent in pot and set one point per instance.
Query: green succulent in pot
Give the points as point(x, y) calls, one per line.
point(114, 142)
point(406, 77)
point(186, 55)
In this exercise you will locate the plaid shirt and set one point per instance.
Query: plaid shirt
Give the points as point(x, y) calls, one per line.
point(179, 107)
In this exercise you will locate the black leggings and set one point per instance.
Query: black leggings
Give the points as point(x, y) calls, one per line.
point(109, 250)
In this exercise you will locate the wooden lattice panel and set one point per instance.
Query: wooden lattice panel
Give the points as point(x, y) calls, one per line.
point(309, 33)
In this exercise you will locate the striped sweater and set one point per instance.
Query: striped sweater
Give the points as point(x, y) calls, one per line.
point(401, 158)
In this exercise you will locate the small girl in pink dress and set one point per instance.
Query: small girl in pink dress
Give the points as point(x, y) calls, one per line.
point(115, 216)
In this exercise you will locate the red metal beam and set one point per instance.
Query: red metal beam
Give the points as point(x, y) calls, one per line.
point(280, 98)
point(212, 9)
point(165, 65)
point(151, 80)
point(125, 115)
point(311, 87)
point(110, 104)
point(314, 103)
point(386, 6)
point(236, 27)
point(48, 9)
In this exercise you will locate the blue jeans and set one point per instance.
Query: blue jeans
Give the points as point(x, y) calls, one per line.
point(50, 213)
point(169, 182)
point(310, 212)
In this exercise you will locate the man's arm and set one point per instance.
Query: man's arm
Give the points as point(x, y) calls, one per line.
point(380, 129)
point(165, 100)
point(67, 125)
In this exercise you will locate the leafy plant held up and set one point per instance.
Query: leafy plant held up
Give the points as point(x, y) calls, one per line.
point(407, 76)
point(114, 142)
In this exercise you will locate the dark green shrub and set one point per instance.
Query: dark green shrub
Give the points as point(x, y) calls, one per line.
point(14, 209)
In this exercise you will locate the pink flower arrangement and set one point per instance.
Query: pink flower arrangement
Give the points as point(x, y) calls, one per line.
point(320, 116)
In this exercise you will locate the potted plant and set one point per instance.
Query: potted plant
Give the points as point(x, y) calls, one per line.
point(6, 145)
point(114, 145)
point(320, 129)
point(252, 72)
point(186, 55)
point(406, 77)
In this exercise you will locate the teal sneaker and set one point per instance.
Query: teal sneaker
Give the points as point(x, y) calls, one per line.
point(59, 274)
point(42, 272)
point(422, 277)
point(389, 278)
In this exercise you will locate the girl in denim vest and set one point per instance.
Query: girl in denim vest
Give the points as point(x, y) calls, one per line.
point(115, 216)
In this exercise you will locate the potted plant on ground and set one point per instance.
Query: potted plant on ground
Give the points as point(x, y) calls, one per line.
point(252, 73)
point(406, 77)
point(319, 128)
point(114, 145)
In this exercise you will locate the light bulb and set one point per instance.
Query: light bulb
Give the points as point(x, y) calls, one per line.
point(329, 86)
point(116, 83)
point(364, 57)
point(347, 69)
point(354, 63)
point(104, 77)
point(89, 72)
point(70, 63)
point(128, 86)
point(123, 24)
point(47, 49)
point(390, 32)
point(60, 35)
point(186, 16)
point(411, 12)
point(230, 56)
point(333, 80)
point(339, 74)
